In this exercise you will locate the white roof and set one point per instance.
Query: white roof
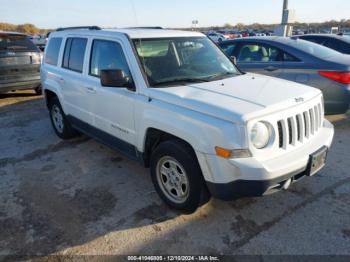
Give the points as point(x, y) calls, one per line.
point(133, 33)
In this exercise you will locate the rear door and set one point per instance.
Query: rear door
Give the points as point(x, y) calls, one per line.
point(19, 59)
point(259, 58)
point(296, 70)
point(77, 99)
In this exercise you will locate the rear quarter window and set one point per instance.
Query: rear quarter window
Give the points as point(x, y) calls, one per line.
point(52, 51)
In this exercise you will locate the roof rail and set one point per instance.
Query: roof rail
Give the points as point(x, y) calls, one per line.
point(94, 27)
point(145, 27)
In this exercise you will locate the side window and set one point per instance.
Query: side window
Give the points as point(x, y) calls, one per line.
point(261, 53)
point(52, 51)
point(228, 49)
point(74, 52)
point(289, 58)
point(107, 55)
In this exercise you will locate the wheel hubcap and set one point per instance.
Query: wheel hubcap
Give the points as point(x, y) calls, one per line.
point(57, 118)
point(172, 179)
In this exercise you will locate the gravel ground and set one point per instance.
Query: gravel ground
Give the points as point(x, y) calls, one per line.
point(80, 197)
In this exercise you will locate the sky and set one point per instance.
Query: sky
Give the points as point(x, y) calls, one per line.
point(166, 13)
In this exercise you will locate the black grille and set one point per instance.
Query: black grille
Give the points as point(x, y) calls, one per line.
point(280, 133)
point(298, 128)
point(290, 130)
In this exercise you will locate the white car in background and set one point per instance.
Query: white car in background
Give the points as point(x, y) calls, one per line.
point(216, 37)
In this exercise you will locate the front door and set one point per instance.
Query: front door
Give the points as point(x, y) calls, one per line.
point(113, 107)
point(259, 58)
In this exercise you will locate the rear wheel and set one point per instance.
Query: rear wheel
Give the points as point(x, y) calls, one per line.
point(59, 121)
point(177, 176)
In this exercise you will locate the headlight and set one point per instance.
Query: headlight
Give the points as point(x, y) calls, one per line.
point(260, 135)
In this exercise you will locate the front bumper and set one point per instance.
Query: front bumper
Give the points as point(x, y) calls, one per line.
point(253, 188)
point(234, 178)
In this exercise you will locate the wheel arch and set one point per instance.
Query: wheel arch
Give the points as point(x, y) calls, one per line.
point(154, 136)
point(50, 93)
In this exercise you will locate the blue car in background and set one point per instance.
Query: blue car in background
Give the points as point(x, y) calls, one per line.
point(299, 61)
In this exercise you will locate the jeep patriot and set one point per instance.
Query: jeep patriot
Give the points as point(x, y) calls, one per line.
point(173, 101)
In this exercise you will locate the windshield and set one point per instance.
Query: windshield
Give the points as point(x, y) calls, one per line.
point(313, 49)
point(16, 43)
point(174, 61)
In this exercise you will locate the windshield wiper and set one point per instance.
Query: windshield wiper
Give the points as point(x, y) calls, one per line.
point(181, 80)
point(222, 76)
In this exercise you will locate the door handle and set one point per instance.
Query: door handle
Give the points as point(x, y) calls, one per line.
point(270, 68)
point(90, 89)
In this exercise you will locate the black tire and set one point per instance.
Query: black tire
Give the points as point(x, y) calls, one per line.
point(184, 155)
point(38, 90)
point(66, 131)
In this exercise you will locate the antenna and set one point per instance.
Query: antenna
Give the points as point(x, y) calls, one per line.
point(134, 11)
point(137, 28)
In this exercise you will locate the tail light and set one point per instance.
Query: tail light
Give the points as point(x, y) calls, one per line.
point(340, 77)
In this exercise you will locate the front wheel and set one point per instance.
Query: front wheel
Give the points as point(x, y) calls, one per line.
point(177, 176)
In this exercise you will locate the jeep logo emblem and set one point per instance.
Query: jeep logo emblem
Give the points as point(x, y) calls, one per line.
point(299, 99)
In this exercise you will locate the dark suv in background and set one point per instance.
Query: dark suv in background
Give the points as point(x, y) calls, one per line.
point(20, 62)
point(338, 43)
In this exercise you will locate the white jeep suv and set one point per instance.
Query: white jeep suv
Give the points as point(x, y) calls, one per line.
point(176, 103)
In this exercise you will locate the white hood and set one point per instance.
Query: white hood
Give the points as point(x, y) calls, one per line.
point(238, 98)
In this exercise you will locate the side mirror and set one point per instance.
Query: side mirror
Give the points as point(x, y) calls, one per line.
point(233, 59)
point(116, 78)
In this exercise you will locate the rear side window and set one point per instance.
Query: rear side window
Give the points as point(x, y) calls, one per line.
point(20, 43)
point(53, 50)
point(74, 52)
point(107, 55)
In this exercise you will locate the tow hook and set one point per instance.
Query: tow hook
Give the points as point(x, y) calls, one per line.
point(287, 184)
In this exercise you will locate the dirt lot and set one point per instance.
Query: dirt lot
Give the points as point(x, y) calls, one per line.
point(80, 197)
